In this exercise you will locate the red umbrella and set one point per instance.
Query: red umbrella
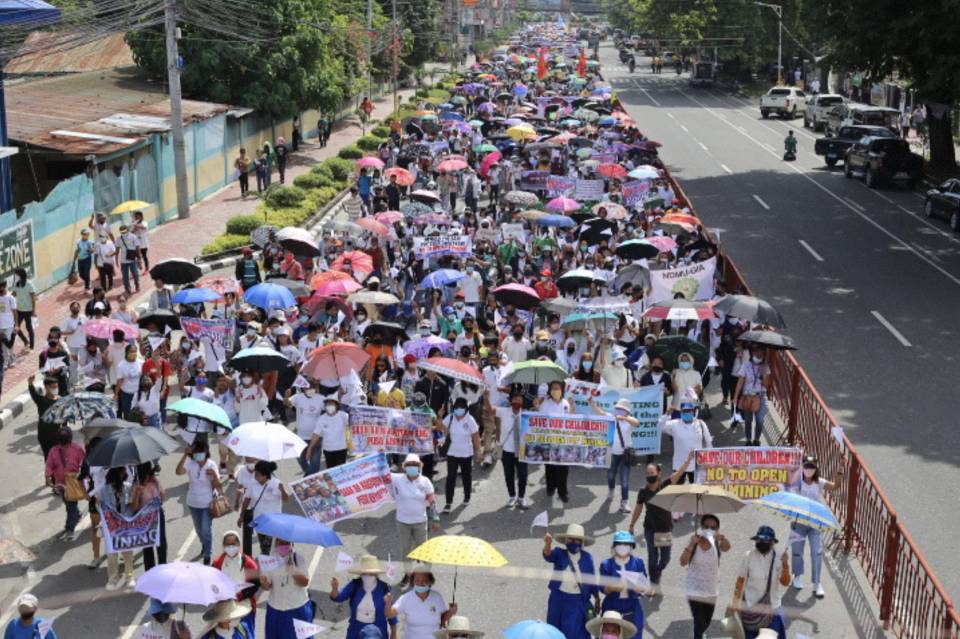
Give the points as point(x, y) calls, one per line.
point(328, 276)
point(335, 360)
point(491, 159)
point(389, 217)
point(447, 165)
point(220, 284)
point(316, 302)
point(403, 176)
point(612, 171)
point(104, 328)
point(452, 368)
point(680, 218)
point(373, 226)
point(516, 294)
point(358, 262)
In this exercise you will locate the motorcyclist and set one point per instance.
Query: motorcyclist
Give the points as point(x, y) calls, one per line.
point(631, 63)
point(790, 145)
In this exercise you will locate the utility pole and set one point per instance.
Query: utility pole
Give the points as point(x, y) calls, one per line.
point(779, 11)
point(396, 51)
point(176, 110)
point(369, 48)
point(454, 28)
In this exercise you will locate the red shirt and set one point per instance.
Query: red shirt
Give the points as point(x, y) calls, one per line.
point(546, 289)
point(151, 367)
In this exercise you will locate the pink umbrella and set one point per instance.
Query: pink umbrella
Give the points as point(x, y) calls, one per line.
point(452, 368)
point(403, 176)
point(336, 287)
point(447, 165)
point(359, 263)
point(335, 360)
point(389, 217)
point(104, 328)
point(220, 284)
point(664, 243)
point(612, 171)
point(373, 226)
point(369, 162)
point(489, 161)
point(563, 204)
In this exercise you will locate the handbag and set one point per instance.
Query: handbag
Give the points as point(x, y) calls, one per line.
point(759, 615)
point(629, 458)
point(73, 488)
point(220, 505)
point(749, 403)
point(663, 539)
point(73, 276)
point(705, 413)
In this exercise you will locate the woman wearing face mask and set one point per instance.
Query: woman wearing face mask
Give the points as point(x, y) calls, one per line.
point(585, 371)
point(227, 620)
point(689, 434)
point(701, 558)
point(127, 380)
point(242, 568)
point(416, 502)
point(571, 594)
point(369, 598)
point(359, 325)
point(808, 483)
point(308, 404)
point(146, 488)
point(623, 597)
point(147, 400)
point(203, 482)
point(289, 598)
point(752, 383)
point(556, 474)
point(115, 495)
point(423, 609)
point(463, 434)
point(251, 399)
point(685, 378)
point(267, 496)
point(330, 433)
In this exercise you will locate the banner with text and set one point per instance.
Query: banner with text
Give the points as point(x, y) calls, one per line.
point(217, 331)
point(439, 245)
point(692, 281)
point(558, 186)
point(513, 231)
point(747, 472)
point(568, 440)
point(635, 192)
point(533, 180)
point(345, 491)
point(133, 532)
point(589, 190)
point(646, 404)
point(389, 430)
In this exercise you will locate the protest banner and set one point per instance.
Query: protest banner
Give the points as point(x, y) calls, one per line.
point(389, 430)
point(488, 234)
point(345, 491)
point(646, 404)
point(604, 158)
point(216, 331)
point(692, 281)
point(513, 231)
point(567, 440)
point(533, 180)
point(557, 186)
point(133, 532)
point(439, 245)
point(635, 192)
point(747, 472)
point(589, 190)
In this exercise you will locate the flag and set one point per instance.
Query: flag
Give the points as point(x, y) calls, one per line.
point(541, 64)
point(582, 64)
point(542, 521)
point(344, 562)
point(305, 629)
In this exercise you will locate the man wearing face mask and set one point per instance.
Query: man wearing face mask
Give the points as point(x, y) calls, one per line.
point(624, 597)
point(701, 558)
point(514, 470)
point(573, 585)
point(543, 348)
point(689, 434)
point(309, 405)
point(685, 378)
point(416, 502)
point(330, 433)
point(760, 585)
point(464, 434)
point(517, 345)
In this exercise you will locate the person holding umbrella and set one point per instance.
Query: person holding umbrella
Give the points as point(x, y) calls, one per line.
point(203, 484)
point(369, 598)
point(623, 598)
point(241, 568)
point(568, 606)
point(422, 608)
point(289, 598)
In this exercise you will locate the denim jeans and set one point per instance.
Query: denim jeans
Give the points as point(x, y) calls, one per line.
point(83, 270)
point(311, 466)
point(619, 462)
point(124, 404)
point(73, 515)
point(127, 269)
point(816, 552)
point(203, 524)
point(657, 558)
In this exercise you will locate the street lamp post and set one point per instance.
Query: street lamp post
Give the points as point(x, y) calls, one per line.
point(779, 11)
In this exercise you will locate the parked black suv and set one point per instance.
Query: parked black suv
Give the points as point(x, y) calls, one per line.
point(882, 159)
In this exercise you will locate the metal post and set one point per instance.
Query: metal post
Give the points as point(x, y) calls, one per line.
point(6, 181)
point(369, 48)
point(853, 487)
point(779, 45)
point(176, 111)
point(794, 408)
point(396, 51)
point(890, 554)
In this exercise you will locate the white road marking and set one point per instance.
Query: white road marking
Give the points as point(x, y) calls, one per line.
point(952, 237)
point(768, 147)
point(810, 250)
point(726, 168)
point(685, 130)
point(866, 218)
point(878, 193)
point(890, 327)
point(647, 93)
point(670, 115)
point(855, 204)
point(761, 202)
point(703, 146)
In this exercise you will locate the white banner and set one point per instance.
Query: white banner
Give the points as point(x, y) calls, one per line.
point(692, 282)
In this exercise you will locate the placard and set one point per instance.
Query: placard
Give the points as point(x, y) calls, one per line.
point(133, 532)
point(345, 491)
point(635, 192)
point(439, 245)
point(513, 231)
point(560, 186)
point(747, 472)
point(692, 281)
point(374, 429)
point(533, 180)
point(16, 250)
point(219, 332)
point(566, 440)
point(646, 404)
point(589, 190)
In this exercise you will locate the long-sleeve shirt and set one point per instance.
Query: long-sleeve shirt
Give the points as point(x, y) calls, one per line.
point(63, 460)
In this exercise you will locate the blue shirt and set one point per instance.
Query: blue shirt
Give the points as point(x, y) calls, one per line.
point(610, 568)
point(84, 249)
point(363, 184)
point(353, 592)
point(560, 559)
point(16, 630)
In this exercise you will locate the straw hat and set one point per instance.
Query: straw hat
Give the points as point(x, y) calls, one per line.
point(595, 625)
point(457, 625)
point(574, 531)
point(228, 610)
point(368, 565)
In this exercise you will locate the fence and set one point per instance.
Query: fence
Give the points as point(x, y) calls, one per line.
point(913, 603)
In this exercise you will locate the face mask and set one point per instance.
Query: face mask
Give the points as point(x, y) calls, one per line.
point(556, 394)
point(459, 305)
point(231, 550)
point(27, 615)
point(459, 412)
point(652, 479)
point(587, 365)
point(518, 336)
point(369, 581)
point(412, 471)
point(185, 346)
point(250, 466)
point(361, 317)
point(709, 533)
point(756, 360)
point(622, 550)
point(469, 270)
point(199, 457)
point(610, 635)
point(52, 342)
point(657, 369)
point(685, 365)
point(763, 547)
point(201, 381)
point(283, 551)
point(687, 417)
point(809, 472)
point(330, 408)
point(573, 547)
point(542, 343)
point(424, 332)
point(246, 380)
point(420, 590)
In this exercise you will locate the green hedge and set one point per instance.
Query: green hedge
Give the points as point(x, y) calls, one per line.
point(370, 143)
point(323, 170)
point(243, 224)
point(351, 152)
point(312, 181)
point(380, 131)
point(340, 169)
point(280, 196)
point(226, 242)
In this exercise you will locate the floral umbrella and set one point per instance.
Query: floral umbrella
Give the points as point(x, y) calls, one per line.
point(358, 262)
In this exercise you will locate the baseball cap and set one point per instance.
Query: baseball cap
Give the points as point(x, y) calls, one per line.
point(765, 533)
point(28, 600)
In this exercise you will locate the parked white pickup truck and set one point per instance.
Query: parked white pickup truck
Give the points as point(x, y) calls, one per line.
point(818, 110)
point(788, 102)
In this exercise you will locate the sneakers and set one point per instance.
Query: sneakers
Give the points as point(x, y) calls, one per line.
point(610, 492)
point(70, 536)
point(624, 508)
point(798, 582)
point(446, 509)
point(524, 503)
point(93, 564)
point(512, 502)
point(113, 584)
point(131, 582)
point(818, 591)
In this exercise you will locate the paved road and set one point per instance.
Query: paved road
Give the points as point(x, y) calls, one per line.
point(867, 284)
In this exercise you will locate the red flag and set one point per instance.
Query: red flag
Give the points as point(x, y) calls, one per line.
point(582, 64)
point(541, 64)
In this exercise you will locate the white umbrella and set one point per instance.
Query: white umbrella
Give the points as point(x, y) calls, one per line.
point(265, 440)
point(372, 297)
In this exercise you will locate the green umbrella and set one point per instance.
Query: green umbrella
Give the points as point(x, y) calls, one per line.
point(584, 152)
point(485, 148)
point(458, 99)
point(202, 410)
point(672, 346)
point(590, 321)
point(537, 372)
point(476, 123)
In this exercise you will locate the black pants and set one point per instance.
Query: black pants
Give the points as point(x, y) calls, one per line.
point(282, 170)
point(515, 474)
point(702, 614)
point(247, 537)
point(728, 383)
point(146, 262)
point(465, 466)
point(106, 276)
point(556, 479)
point(83, 269)
point(335, 457)
point(429, 467)
point(25, 317)
point(153, 556)
point(244, 182)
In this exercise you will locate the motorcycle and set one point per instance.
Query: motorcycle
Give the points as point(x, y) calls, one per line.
point(624, 56)
point(631, 64)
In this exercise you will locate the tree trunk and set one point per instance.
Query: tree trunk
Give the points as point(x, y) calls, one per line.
point(942, 153)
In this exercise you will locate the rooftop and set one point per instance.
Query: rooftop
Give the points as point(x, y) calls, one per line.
point(108, 52)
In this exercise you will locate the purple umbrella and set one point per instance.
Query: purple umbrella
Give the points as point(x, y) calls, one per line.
point(514, 121)
point(420, 348)
point(187, 583)
point(488, 107)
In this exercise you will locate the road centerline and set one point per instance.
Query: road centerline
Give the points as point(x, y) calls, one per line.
point(890, 327)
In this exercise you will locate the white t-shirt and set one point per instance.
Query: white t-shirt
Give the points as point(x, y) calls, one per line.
point(813, 490)
point(248, 483)
point(128, 374)
point(70, 327)
point(509, 428)
point(756, 568)
point(411, 497)
point(7, 305)
point(286, 594)
point(703, 574)
point(251, 402)
point(149, 402)
point(200, 486)
point(309, 410)
point(332, 429)
point(128, 247)
point(422, 616)
point(683, 381)
point(551, 407)
point(271, 499)
point(105, 252)
point(461, 431)
point(470, 285)
point(213, 356)
point(624, 432)
point(687, 437)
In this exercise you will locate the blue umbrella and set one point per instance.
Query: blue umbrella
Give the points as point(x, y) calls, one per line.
point(606, 120)
point(269, 296)
point(195, 296)
point(560, 221)
point(451, 115)
point(296, 529)
point(530, 629)
point(446, 106)
point(441, 277)
point(800, 509)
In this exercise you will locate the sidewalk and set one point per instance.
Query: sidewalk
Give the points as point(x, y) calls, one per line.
point(177, 238)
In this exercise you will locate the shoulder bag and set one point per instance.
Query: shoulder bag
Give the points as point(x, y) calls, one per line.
point(220, 505)
point(73, 489)
point(628, 457)
point(760, 615)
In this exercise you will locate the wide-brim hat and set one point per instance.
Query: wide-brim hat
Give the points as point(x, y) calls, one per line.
point(595, 625)
point(368, 565)
point(623, 404)
point(228, 610)
point(574, 532)
point(457, 625)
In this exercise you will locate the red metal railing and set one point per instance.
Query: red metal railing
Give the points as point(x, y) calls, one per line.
point(913, 603)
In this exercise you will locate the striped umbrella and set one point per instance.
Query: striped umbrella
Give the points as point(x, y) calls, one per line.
point(799, 509)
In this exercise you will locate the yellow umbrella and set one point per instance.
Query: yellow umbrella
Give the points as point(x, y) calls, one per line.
point(522, 132)
point(458, 550)
point(532, 214)
point(130, 206)
point(698, 499)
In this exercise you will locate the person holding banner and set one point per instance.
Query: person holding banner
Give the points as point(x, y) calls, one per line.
point(572, 585)
point(556, 474)
point(114, 496)
point(145, 489)
point(289, 597)
point(624, 597)
point(621, 455)
point(330, 433)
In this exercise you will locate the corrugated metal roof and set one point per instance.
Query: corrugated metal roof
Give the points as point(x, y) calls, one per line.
point(108, 52)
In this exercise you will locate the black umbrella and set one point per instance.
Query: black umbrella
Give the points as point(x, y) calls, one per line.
point(259, 359)
point(672, 346)
point(411, 128)
point(389, 330)
point(578, 142)
point(297, 288)
point(160, 317)
point(769, 339)
point(105, 426)
point(594, 230)
point(636, 250)
point(577, 278)
point(131, 446)
point(751, 309)
point(176, 271)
